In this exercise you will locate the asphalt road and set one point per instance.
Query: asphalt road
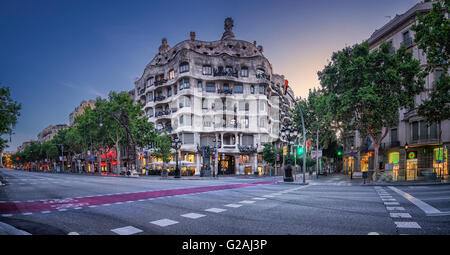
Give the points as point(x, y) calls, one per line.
point(46, 203)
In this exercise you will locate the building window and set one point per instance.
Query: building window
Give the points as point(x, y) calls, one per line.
point(188, 138)
point(150, 113)
point(247, 140)
point(394, 135)
point(260, 71)
point(433, 131)
point(200, 86)
point(252, 89)
point(207, 70)
point(150, 81)
point(185, 84)
point(226, 87)
point(184, 67)
point(169, 92)
point(171, 74)
point(210, 87)
point(262, 105)
point(261, 89)
point(204, 104)
point(238, 89)
point(150, 97)
point(247, 123)
point(415, 131)
point(228, 69)
point(423, 130)
point(181, 120)
point(244, 72)
point(247, 107)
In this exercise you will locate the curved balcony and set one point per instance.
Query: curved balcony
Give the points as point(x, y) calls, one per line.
point(226, 73)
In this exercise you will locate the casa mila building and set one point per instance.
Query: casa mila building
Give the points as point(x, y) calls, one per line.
point(220, 95)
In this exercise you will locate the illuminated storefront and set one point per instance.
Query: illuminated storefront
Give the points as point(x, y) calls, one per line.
point(440, 162)
point(394, 162)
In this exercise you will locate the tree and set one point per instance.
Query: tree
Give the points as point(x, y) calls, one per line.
point(366, 89)
point(9, 112)
point(269, 154)
point(163, 146)
point(433, 37)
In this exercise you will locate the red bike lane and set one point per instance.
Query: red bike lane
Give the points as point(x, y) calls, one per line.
point(71, 203)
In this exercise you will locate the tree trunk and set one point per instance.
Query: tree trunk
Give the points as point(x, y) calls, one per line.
point(118, 158)
point(376, 145)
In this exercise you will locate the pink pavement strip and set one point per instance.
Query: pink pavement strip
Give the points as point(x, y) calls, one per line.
point(71, 203)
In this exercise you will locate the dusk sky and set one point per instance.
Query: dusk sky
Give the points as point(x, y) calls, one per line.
point(55, 54)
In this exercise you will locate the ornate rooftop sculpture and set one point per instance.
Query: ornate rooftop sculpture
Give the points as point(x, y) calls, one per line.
point(228, 26)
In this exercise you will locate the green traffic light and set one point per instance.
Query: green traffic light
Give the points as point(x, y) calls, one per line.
point(339, 153)
point(300, 150)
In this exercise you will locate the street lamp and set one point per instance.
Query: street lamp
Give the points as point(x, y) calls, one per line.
point(176, 144)
point(351, 163)
point(406, 161)
point(289, 134)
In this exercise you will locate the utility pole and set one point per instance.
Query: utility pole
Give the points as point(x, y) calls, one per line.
point(317, 154)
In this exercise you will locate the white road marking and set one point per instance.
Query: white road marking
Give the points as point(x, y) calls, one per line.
point(398, 208)
point(259, 198)
point(428, 209)
point(373, 234)
point(62, 210)
point(388, 199)
point(406, 224)
point(391, 203)
point(27, 213)
point(45, 212)
point(129, 230)
point(400, 215)
point(6, 215)
point(215, 210)
point(164, 222)
point(247, 202)
point(193, 215)
point(268, 196)
point(233, 205)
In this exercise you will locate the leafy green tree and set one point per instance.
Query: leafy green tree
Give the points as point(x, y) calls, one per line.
point(163, 146)
point(433, 37)
point(269, 154)
point(9, 113)
point(366, 89)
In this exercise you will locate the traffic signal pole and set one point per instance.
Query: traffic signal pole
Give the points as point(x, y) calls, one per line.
point(304, 134)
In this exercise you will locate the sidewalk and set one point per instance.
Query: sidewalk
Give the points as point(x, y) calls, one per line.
point(6, 229)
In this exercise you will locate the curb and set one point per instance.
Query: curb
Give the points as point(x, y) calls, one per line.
point(292, 183)
point(6, 229)
point(406, 184)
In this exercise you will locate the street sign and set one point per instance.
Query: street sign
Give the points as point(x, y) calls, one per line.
point(313, 154)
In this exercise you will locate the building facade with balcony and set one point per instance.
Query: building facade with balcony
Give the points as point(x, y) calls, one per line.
point(221, 94)
point(49, 132)
point(426, 152)
point(79, 110)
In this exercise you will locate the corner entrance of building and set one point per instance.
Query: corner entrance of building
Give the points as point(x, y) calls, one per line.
point(226, 164)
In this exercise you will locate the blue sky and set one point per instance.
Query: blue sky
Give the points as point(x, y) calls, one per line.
point(55, 54)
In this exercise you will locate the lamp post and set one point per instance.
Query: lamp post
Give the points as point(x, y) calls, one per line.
point(176, 144)
point(351, 163)
point(289, 134)
point(406, 161)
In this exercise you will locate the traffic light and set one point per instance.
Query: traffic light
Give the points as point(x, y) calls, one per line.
point(300, 150)
point(339, 153)
point(307, 146)
point(286, 84)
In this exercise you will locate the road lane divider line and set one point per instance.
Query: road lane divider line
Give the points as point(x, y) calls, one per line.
point(426, 208)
